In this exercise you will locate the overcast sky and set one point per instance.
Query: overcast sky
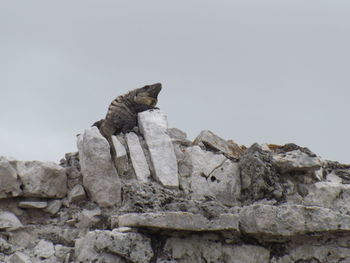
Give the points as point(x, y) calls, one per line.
point(250, 70)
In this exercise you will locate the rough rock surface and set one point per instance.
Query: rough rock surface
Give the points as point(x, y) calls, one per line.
point(206, 201)
point(153, 125)
point(100, 177)
point(138, 158)
point(41, 179)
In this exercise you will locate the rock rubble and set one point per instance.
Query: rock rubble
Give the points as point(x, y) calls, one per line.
point(165, 199)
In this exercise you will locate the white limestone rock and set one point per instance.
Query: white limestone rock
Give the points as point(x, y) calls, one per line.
point(20, 257)
point(138, 158)
point(121, 160)
point(246, 254)
point(42, 179)
point(53, 206)
point(177, 135)
point(85, 250)
point(130, 247)
point(203, 162)
point(211, 175)
point(180, 221)
point(63, 253)
point(9, 221)
point(23, 238)
point(295, 161)
point(153, 125)
point(32, 204)
point(76, 194)
point(88, 218)
point(9, 181)
point(210, 140)
point(286, 221)
point(100, 176)
point(204, 248)
point(332, 195)
point(44, 249)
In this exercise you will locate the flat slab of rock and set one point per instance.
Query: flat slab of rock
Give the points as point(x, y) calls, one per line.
point(138, 158)
point(153, 125)
point(286, 221)
point(9, 221)
point(100, 176)
point(181, 221)
point(296, 161)
point(210, 140)
point(42, 179)
point(32, 204)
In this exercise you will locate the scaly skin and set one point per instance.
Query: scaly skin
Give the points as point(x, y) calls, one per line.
point(122, 112)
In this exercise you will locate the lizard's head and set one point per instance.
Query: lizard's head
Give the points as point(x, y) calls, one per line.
point(148, 95)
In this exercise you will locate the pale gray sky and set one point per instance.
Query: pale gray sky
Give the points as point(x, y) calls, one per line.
point(251, 71)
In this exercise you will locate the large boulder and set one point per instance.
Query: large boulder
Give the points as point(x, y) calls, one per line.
point(153, 125)
point(9, 181)
point(100, 176)
point(42, 179)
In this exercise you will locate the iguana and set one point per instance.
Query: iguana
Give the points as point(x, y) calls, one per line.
point(122, 112)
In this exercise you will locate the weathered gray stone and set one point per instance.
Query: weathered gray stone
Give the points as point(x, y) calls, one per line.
point(176, 134)
point(153, 125)
point(211, 175)
point(42, 179)
point(223, 184)
point(76, 194)
point(44, 249)
point(203, 162)
point(9, 181)
point(32, 204)
point(122, 160)
point(138, 158)
point(328, 194)
point(246, 254)
point(213, 142)
point(100, 177)
point(53, 206)
point(204, 248)
point(23, 238)
point(286, 221)
point(259, 178)
point(181, 221)
point(88, 218)
point(20, 257)
point(63, 253)
point(296, 161)
point(86, 251)
point(133, 247)
point(9, 221)
point(5, 247)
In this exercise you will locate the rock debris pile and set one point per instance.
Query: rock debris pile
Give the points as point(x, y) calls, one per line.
point(165, 199)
